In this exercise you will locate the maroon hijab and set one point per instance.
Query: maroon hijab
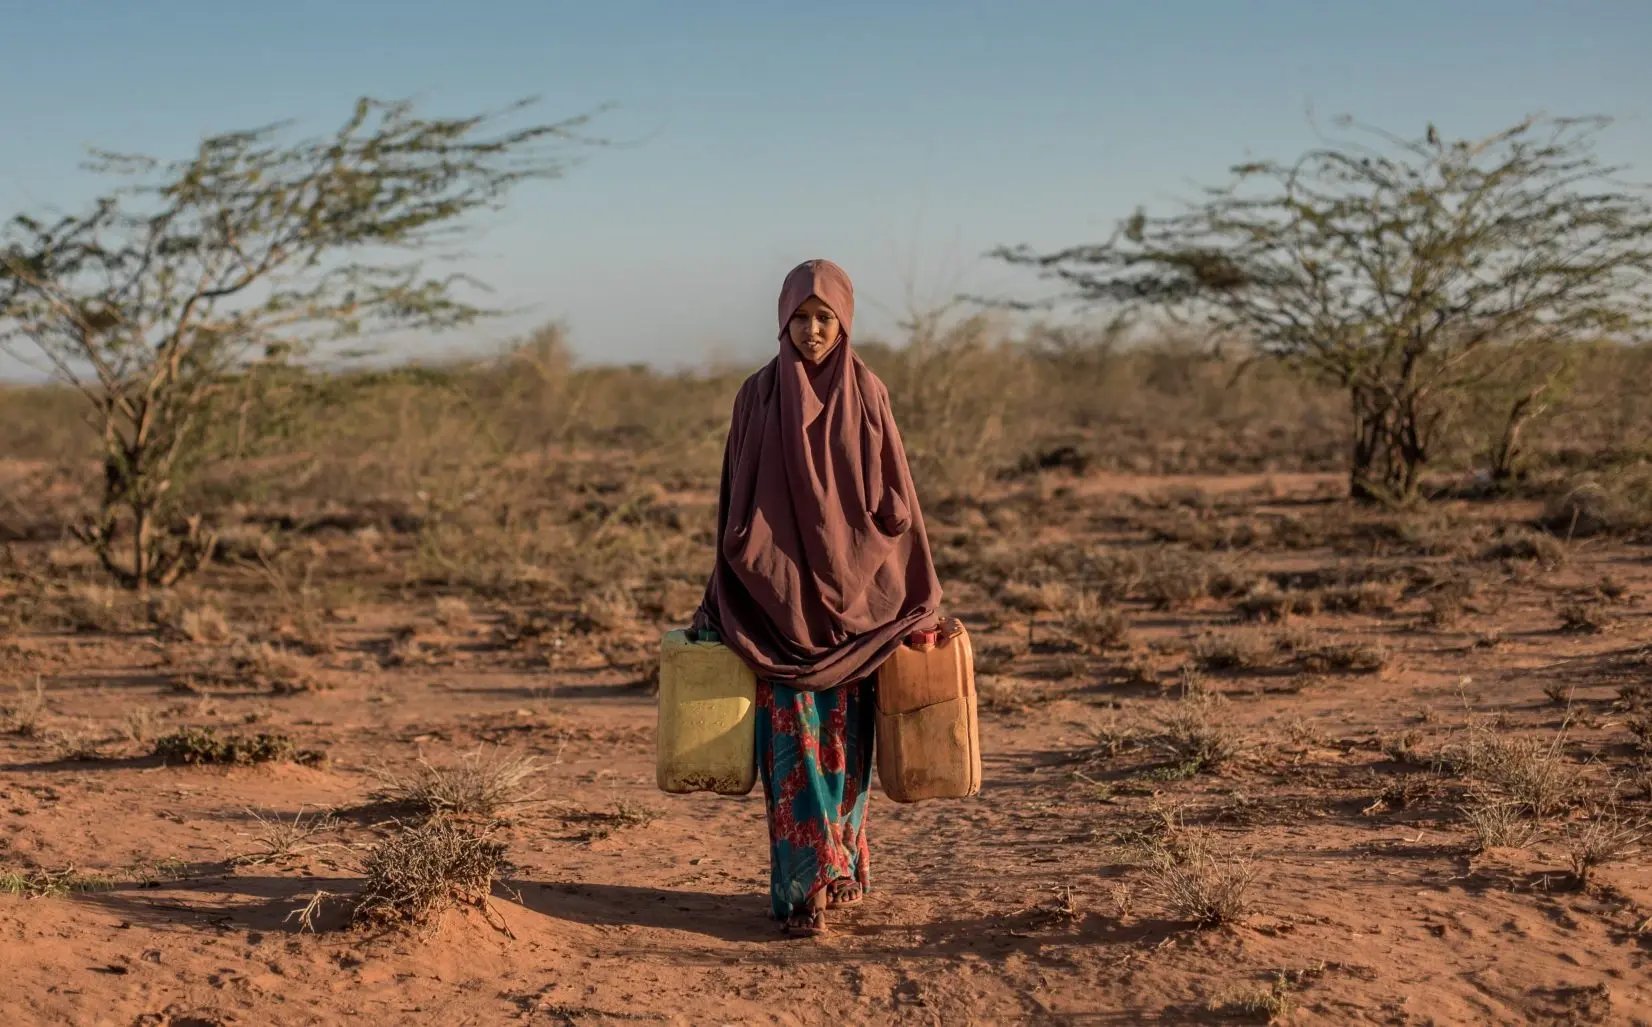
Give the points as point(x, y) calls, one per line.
point(823, 564)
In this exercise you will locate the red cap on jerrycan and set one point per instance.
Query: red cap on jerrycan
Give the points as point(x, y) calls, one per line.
point(924, 639)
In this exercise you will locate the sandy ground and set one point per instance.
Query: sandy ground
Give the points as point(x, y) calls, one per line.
point(1024, 905)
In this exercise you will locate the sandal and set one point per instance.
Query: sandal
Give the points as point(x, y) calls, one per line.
point(844, 893)
point(811, 923)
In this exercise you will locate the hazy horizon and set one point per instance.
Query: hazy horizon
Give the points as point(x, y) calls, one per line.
point(902, 141)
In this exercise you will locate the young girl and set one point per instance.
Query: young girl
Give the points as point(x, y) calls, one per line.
point(823, 568)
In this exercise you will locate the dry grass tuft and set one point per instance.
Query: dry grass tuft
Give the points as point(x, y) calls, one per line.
point(77, 746)
point(481, 783)
point(282, 840)
point(424, 868)
point(26, 715)
point(1536, 776)
point(1199, 886)
point(1269, 1005)
point(1501, 825)
point(1607, 837)
point(204, 625)
point(1197, 737)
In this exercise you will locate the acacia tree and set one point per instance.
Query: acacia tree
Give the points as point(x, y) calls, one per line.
point(1394, 267)
point(250, 253)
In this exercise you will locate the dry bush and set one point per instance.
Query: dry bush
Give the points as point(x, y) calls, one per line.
point(1094, 625)
point(96, 608)
point(203, 625)
point(199, 745)
point(1110, 740)
point(1199, 886)
point(411, 646)
point(1405, 747)
point(606, 612)
point(1524, 545)
point(1559, 692)
point(1367, 597)
point(1405, 792)
point(423, 868)
point(1345, 657)
point(996, 659)
point(1024, 598)
point(1585, 618)
point(1235, 651)
point(1268, 602)
point(1613, 505)
point(138, 725)
point(1447, 601)
point(1639, 726)
point(1136, 670)
point(1607, 837)
point(1501, 825)
point(1171, 579)
point(481, 783)
point(454, 614)
point(261, 665)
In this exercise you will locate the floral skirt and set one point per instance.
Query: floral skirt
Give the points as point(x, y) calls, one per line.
point(814, 752)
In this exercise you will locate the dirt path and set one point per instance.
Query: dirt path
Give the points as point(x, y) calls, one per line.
point(1035, 903)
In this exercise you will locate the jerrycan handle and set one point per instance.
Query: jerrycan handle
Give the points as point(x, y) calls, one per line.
point(923, 641)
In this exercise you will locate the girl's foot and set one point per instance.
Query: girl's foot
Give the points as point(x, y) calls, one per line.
point(810, 922)
point(844, 893)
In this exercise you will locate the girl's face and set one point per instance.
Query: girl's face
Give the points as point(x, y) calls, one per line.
point(814, 330)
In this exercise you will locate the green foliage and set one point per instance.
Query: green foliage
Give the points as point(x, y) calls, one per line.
point(1409, 272)
point(176, 298)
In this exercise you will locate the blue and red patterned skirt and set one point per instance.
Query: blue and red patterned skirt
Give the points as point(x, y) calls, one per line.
point(814, 752)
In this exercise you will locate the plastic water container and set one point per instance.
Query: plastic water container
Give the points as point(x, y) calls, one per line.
point(707, 730)
point(928, 734)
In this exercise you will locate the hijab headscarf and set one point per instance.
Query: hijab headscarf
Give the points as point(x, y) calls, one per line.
point(823, 565)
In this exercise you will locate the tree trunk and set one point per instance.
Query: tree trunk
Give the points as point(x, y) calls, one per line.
point(140, 547)
point(1385, 466)
point(1505, 451)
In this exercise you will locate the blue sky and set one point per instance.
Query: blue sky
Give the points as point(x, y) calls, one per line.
point(901, 139)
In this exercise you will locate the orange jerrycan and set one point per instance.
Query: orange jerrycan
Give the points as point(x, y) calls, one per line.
point(928, 738)
point(706, 737)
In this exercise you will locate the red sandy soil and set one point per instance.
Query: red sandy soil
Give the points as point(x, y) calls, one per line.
point(1018, 906)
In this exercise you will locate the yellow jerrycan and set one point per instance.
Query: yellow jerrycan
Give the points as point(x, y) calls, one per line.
point(928, 736)
point(706, 738)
